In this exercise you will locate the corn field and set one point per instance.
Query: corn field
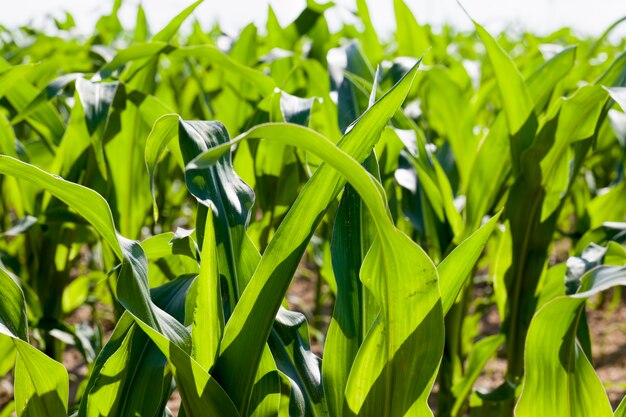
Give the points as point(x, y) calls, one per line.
point(163, 189)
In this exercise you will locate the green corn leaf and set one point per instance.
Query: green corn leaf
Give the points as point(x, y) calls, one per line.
point(395, 368)
point(10, 75)
point(76, 140)
point(349, 59)
point(131, 368)
point(158, 246)
point(7, 138)
point(265, 399)
point(8, 410)
point(111, 362)
point(578, 118)
point(251, 322)
point(105, 399)
point(438, 198)
point(289, 343)
point(531, 231)
point(448, 109)
point(21, 226)
point(457, 266)
point(169, 244)
point(218, 188)
point(267, 392)
point(7, 353)
point(413, 39)
point(97, 99)
point(46, 119)
point(199, 391)
point(163, 131)
point(608, 231)
point(136, 51)
point(278, 168)
point(600, 279)
point(492, 163)
point(607, 207)
point(263, 83)
point(13, 319)
point(369, 37)
point(168, 32)
point(88, 203)
point(560, 380)
point(51, 90)
point(208, 313)
point(375, 388)
point(481, 352)
point(542, 82)
point(41, 383)
point(517, 102)
point(141, 32)
point(125, 149)
point(530, 239)
point(355, 310)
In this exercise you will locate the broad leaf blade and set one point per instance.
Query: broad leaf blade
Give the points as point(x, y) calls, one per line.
point(41, 383)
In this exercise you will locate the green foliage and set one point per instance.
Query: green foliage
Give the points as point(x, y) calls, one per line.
point(172, 184)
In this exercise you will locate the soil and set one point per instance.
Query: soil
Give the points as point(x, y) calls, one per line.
point(608, 330)
point(301, 297)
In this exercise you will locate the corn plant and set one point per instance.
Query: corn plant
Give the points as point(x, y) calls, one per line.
point(161, 190)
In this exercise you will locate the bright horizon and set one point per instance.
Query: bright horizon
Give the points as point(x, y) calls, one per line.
point(539, 16)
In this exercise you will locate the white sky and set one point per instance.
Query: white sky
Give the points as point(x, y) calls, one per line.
point(586, 16)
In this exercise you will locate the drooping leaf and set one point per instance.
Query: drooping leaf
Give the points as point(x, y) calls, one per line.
point(368, 391)
point(560, 380)
point(199, 391)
